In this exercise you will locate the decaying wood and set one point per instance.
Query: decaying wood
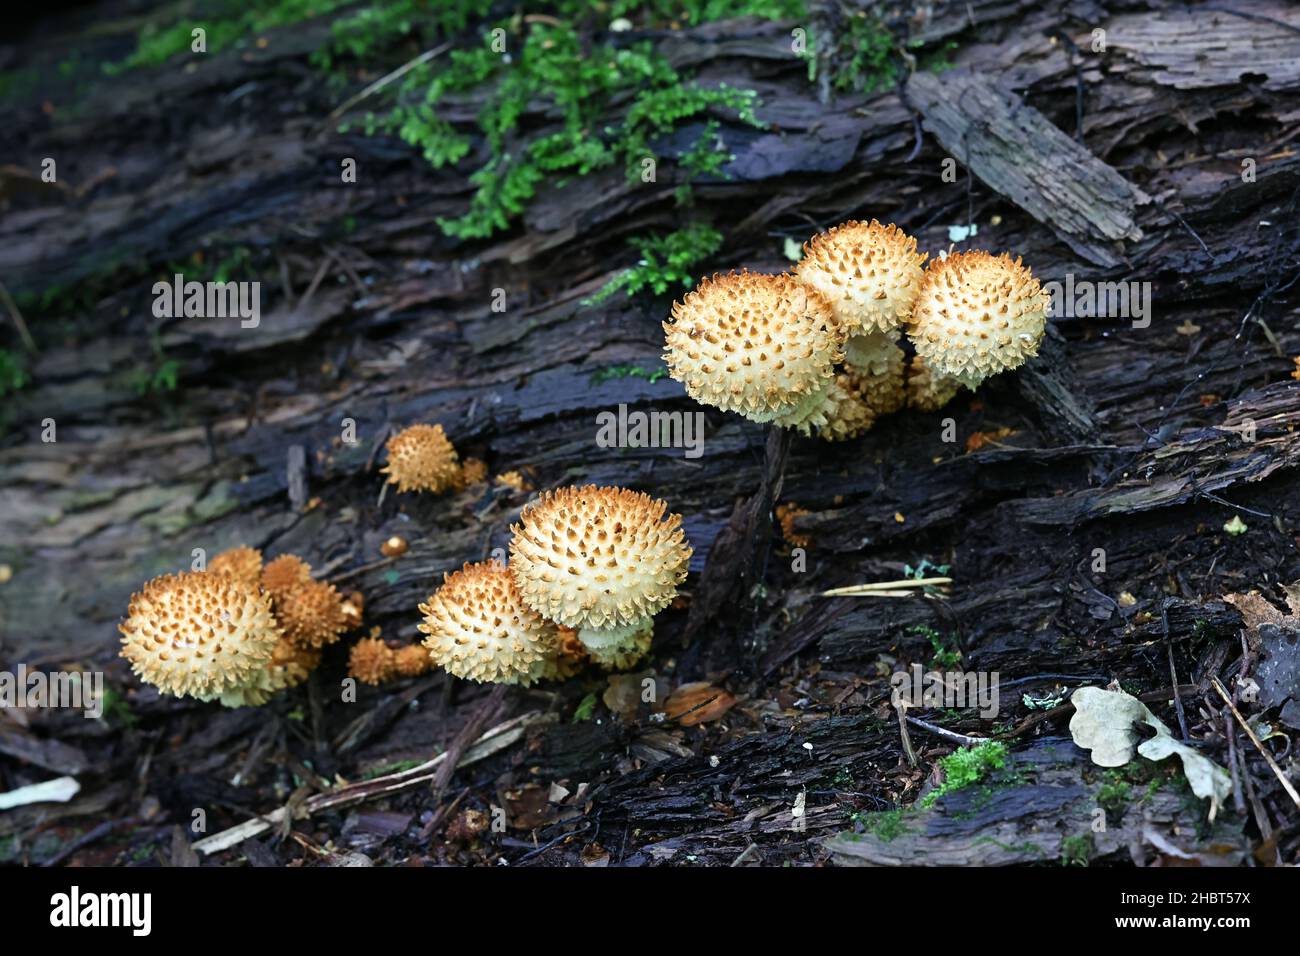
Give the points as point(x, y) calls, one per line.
point(1130, 440)
point(1051, 813)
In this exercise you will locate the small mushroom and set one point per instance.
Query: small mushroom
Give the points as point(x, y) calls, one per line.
point(394, 547)
point(421, 458)
point(200, 634)
point(290, 664)
point(479, 628)
point(977, 315)
point(312, 613)
point(371, 661)
point(241, 562)
point(411, 660)
point(472, 471)
point(928, 390)
point(764, 346)
point(601, 560)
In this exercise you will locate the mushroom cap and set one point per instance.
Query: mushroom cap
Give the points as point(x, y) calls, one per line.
point(928, 390)
point(870, 385)
point(371, 661)
point(977, 315)
point(479, 628)
point(472, 471)
point(869, 273)
point(285, 572)
point(751, 343)
point(421, 458)
point(411, 660)
point(241, 562)
point(598, 557)
point(311, 612)
point(198, 633)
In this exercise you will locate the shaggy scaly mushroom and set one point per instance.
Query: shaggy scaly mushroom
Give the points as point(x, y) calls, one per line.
point(421, 458)
point(200, 634)
point(977, 315)
point(290, 664)
point(869, 274)
point(312, 613)
point(601, 560)
point(764, 346)
point(241, 562)
point(371, 661)
point(479, 628)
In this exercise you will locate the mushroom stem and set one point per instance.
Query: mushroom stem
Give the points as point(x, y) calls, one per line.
point(738, 559)
point(598, 639)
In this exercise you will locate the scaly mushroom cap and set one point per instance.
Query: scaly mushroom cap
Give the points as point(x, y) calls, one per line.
point(198, 633)
point(753, 344)
point(420, 458)
point(928, 390)
point(568, 659)
point(371, 661)
point(242, 562)
point(412, 660)
point(472, 471)
point(598, 557)
point(285, 572)
point(479, 627)
point(978, 315)
point(868, 272)
point(311, 612)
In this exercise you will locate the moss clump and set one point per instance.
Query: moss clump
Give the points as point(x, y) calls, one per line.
point(666, 263)
point(967, 766)
point(601, 376)
point(1076, 850)
point(224, 24)
point(1115, 793)
point(885, 825)
point(13, 373)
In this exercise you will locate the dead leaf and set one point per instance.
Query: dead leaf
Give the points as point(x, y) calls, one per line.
point(623, 695)
point(1105, 723)
point(697, 703)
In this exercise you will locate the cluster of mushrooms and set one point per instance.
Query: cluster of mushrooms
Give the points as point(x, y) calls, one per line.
point(819, 349)
point(589, 568)
point(422, 458)
point(238, 631)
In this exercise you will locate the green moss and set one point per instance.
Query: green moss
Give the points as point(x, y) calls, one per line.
point(585, 710)
point(1115, 793)
point(600, 376)
point(224, 24)
point(885, 825)
point(667, 262)
point(967, 766)
point(865, 48)
point(13, 372)
point(1076, 850)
